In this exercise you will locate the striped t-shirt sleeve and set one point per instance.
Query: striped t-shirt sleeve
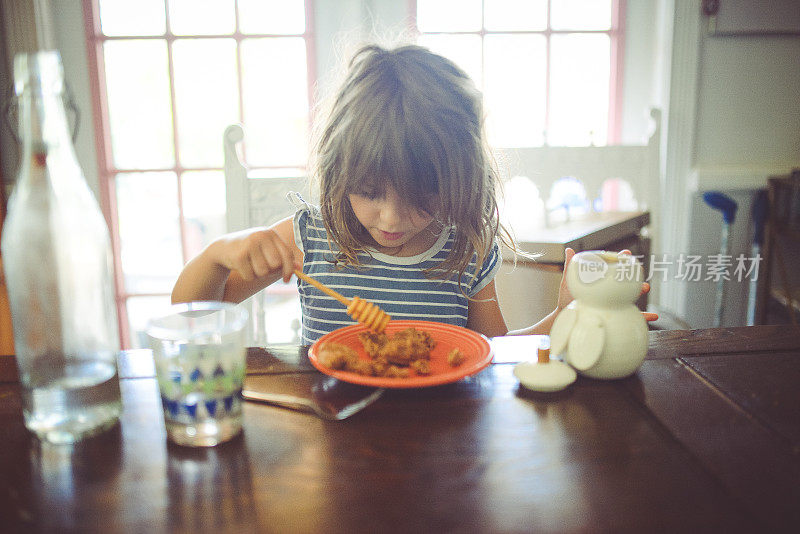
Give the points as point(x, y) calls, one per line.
point(300, 221)
point(487, 271)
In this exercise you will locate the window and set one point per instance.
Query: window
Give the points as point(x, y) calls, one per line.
point(548, 68)
point(171, 75)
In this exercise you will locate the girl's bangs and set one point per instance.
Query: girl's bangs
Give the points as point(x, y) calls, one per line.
point(388, 160)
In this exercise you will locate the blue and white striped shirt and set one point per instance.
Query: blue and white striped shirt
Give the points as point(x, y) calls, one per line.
point(398, 285)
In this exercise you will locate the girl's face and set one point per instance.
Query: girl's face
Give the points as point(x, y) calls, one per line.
point(395, 226)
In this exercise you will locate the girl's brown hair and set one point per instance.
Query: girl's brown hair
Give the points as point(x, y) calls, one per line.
point(411, 119)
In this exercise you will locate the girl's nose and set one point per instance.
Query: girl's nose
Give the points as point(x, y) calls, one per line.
point(392, 209)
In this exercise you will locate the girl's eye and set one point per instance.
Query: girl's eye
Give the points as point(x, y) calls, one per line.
point(370, 194)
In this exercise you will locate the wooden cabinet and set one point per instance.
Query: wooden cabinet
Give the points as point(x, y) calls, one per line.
point(779, 278)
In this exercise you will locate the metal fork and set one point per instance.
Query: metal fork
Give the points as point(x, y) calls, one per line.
point(326, 410)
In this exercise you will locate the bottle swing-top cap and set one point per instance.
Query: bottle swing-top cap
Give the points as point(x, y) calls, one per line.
point(39, 71)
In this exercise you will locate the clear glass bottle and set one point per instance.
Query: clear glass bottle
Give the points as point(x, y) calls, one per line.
point(58, 266)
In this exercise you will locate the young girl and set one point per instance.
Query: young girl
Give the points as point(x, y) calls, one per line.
point(408, 216)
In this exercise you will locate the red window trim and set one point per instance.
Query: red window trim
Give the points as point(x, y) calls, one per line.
point(105, 166)
point(616, 78)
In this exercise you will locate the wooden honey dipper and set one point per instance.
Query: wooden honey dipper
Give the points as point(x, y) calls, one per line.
point(362, 311)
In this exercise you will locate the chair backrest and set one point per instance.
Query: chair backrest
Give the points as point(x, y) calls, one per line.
point(593, 166)
point(253, 200)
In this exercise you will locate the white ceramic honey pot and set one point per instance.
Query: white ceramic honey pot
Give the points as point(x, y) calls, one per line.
point(601, 333)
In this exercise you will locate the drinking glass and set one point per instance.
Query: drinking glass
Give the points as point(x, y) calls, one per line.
point(199, 355)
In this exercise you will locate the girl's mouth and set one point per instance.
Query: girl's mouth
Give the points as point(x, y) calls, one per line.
point(392, 236)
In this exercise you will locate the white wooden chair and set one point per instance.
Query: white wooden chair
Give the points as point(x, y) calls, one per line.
point(594, 167)
point(529, 292)
point(260, 200)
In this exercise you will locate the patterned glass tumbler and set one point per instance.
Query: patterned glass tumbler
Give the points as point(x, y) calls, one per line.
point(199, 354)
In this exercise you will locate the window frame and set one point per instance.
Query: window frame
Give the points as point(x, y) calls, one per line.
point(617, 60)
point(105, 164)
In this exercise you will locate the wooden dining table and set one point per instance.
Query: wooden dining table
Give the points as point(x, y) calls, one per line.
point(705, 437)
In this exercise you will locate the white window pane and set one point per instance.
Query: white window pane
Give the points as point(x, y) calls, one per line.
point(579, 85)
point(149, 231)
point(463, 50)
point(141, 310)
point(202, 17)
point(509, 15)
point(514, 89)
point(272, 16)
point(139, 108)
point(123, 17)
point(580, 15)
point(275, 94)
point(203, 195)
point(448, 15)
point(206, 98)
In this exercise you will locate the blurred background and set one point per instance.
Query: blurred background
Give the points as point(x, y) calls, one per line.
point(156, 83)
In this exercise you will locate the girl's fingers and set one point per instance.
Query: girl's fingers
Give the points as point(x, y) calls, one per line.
point(568, 254)
point(270, 255)
point(287, 262)
point(278, 257)
point(260, 259)
point(245, 270)
point(261, 265)
point(564, 296)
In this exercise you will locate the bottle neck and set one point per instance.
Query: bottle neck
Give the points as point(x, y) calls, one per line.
point(44, 127)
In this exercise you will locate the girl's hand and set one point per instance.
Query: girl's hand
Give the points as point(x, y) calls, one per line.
point(255, 253)
point(565, 297)
point(236, 266)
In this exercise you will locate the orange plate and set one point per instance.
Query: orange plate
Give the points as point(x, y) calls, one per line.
point(475, 348)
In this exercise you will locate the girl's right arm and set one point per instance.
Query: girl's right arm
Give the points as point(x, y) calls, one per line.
point(239, 264)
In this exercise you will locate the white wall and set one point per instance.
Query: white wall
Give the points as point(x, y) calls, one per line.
point(749, 101)
point(642, 70)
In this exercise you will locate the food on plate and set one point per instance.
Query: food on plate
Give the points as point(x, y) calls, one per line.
point(422, 367)
point(455, 357)
point(343, 358)
point(392, 356)
point(372, 342)
point(394, 371)
point(404, 347)
point(337, 356)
